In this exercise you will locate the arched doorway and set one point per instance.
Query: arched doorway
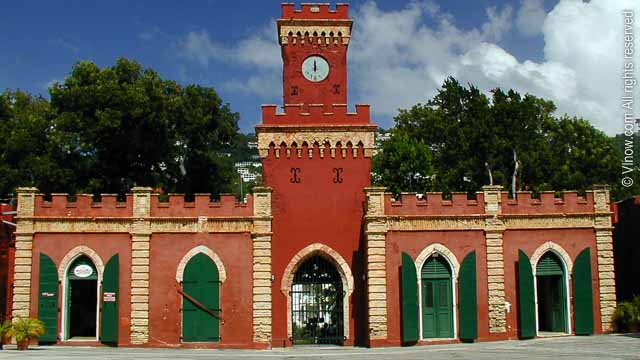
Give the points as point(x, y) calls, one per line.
point(201, 281)
point(317, 303)
point(436, 298)
point(81, 300)
point(551, 294)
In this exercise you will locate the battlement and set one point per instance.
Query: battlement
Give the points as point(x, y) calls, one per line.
point(548, 203)
point(434, 203)
point(83, 205)
point(313, 114)
point(177, 206)
point(315, 11)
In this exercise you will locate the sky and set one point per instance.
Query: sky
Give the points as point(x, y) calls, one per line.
point(567, 51)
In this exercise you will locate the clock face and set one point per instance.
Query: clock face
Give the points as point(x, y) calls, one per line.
point(315, 68)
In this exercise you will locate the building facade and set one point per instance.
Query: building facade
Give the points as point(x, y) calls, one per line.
point(317, 256)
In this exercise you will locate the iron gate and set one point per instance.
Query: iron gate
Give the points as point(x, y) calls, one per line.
point(317, 303)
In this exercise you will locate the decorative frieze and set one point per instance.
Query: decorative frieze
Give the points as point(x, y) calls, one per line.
point(310, 135)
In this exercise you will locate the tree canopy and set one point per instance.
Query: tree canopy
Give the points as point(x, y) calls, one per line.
point(109, 129)
point(462, 139)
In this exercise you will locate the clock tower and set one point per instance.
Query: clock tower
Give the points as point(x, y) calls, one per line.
point(316, 157)
point(314, 53)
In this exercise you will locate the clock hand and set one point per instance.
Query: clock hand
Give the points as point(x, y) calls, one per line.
point(314, 66)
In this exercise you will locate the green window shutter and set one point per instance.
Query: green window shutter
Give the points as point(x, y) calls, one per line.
point(583, 293)
point(526, 305)
point(110, 298)
point(48, 299)
point(468, 298)
point(436, 267)
point(549, 265)
point(201, 282)
point(409, 284)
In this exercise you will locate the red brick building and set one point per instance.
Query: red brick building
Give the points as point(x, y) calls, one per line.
point(317, 255)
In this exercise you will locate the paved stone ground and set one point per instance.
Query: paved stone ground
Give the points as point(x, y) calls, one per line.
point(563, 348)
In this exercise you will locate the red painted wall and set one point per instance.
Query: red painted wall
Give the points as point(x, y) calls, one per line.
point(573, 241)
point(165, 318)
point(57, 246)
point(460, 243)
point(317, 210)
point(6, 261)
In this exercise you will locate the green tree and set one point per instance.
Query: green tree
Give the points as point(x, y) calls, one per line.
point(404, 164)
point(124, 126)
point(30, 152)
point(462, 136)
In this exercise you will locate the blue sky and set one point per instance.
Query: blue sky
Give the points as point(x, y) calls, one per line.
point(231, 46)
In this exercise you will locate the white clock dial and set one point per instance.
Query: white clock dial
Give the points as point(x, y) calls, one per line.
point(315, 68)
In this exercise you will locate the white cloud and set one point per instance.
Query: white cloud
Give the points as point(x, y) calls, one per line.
point(260, 50)
point(406, 63)
point(400, 58)
point(531, 17)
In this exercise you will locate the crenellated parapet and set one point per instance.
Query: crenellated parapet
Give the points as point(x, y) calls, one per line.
point(434, 203)
point(316, 11)
point(524, 204)
point(547, 203)
point(83, 205)
point(314, 114)
point(176, 205)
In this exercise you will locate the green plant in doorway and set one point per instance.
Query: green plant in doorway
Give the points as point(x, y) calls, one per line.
point(24, 330)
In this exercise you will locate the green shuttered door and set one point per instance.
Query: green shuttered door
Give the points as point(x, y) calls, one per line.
point(583, 294)
point(409, 300)
point(48, 299)
point(468, 298)
point(526, 305)
point(437, 304)
point(110, 298)
point(201, 282)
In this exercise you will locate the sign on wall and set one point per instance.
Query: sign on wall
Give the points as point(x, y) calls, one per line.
point(83, 271)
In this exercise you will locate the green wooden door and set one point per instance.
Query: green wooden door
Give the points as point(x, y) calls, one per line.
point(48, 299)
point(109, 318)
point(437, 300)
point(583, 293)
point(410, 328)
point(526, 297)
point(201, 282)
point(468, 298)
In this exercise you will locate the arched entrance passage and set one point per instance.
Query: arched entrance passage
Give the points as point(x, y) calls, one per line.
point(201, 281)
point(81, 299)
point(551, 294)
point(436, 298)
point(316, 303)
point(334, 259)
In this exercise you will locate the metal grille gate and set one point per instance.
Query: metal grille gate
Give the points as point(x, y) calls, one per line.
point(317, 303)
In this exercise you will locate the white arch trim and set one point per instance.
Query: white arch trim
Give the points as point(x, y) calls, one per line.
point(341, 266)
point(77, 252)
point(556, 249)
point(201, 249)
point(440, 249)
point(63, 270)
point(567, 265)
point(450, 258)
